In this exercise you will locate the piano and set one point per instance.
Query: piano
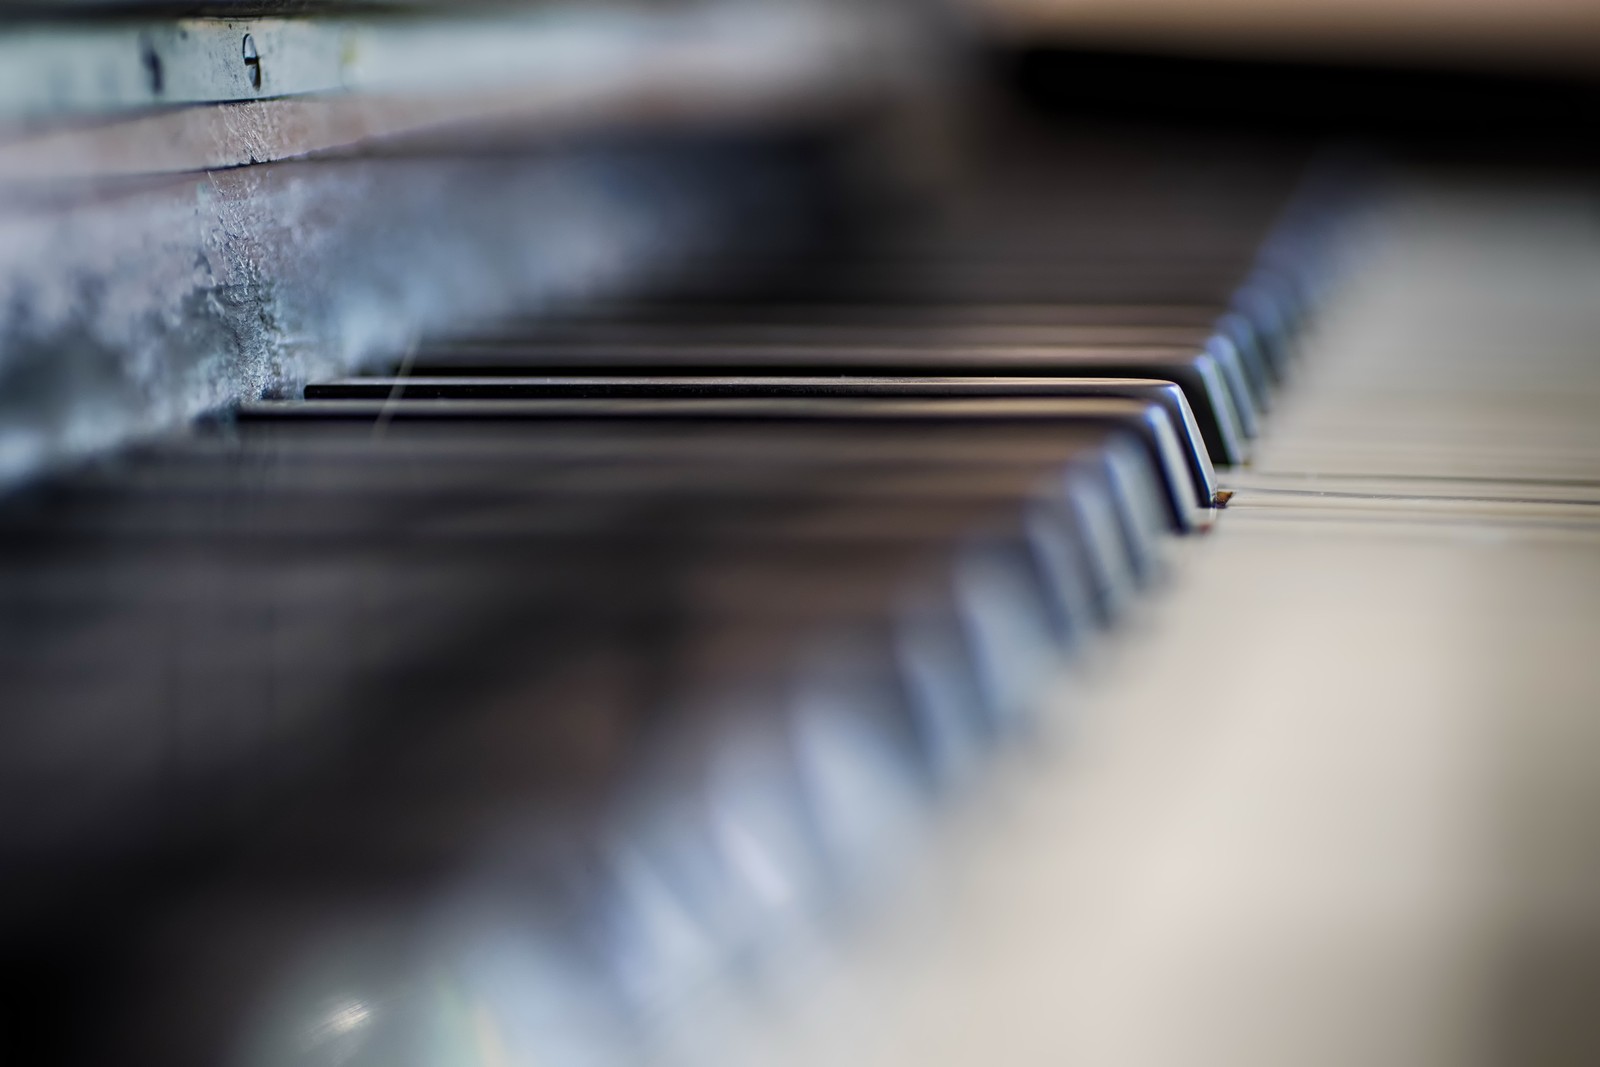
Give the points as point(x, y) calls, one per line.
point(780, 533)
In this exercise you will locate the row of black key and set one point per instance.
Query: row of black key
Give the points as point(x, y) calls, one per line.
point(646, 609)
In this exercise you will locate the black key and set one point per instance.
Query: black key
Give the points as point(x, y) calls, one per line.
point(399, 585)
point(1148, 421)
point(1167, 394)
point(868, 326)
point(1215, 403)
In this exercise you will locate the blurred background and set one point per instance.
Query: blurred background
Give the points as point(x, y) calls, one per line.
point(800, 531)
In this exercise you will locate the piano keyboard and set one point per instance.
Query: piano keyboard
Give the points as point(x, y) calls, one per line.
point(1368, 836)
point(496, 707)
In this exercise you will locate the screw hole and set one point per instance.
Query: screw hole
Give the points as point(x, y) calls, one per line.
point(252, 61)
point(152, 66)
